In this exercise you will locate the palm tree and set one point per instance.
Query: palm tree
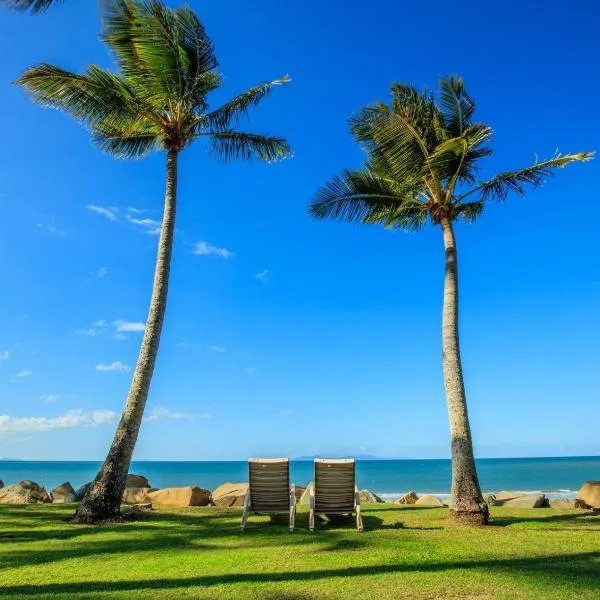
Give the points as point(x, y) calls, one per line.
point(422, 161)
point(33, 6)
point(158, 101)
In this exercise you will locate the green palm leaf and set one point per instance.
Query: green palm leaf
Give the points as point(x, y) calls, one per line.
point(34, 6)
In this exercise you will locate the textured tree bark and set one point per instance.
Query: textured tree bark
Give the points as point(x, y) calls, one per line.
point(467, 503)
point(102, 501)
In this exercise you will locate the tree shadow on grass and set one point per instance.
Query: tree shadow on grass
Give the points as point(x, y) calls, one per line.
point(587, 518)
point(581, 570)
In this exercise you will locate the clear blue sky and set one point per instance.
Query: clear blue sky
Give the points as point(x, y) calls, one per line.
point(336, 350)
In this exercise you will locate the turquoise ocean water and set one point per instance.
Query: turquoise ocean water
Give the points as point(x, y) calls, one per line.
point(556, 476)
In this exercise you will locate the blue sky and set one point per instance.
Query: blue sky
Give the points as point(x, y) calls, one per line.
point(335, 349)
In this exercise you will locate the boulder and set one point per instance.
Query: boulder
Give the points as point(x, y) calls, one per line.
point(230, 494)
point(589, 494)
point(527, 501)
point(24, 492)
point(137, 481)
point(1, 484)
point(367, 497)
point(137, 495)
point(408, 498)
point(184, 496)
point(503, 496)
point(63, 494)
point(566, 503)
point(81, 491)
point(429, 501)
point(491, 500)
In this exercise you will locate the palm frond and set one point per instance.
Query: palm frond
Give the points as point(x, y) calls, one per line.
point(502, 184)
point(33, 6)
point(238, 107)
point(230, 145)
point(469, 211)
point(456, 105)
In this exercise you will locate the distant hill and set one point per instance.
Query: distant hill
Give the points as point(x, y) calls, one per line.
point(356, 456)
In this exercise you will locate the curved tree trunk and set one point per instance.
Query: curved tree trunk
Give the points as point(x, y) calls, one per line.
point(467, 502)
point(102, 501)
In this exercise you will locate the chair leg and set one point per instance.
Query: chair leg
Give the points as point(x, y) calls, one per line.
point(246, 510)
point(359, 522)
point(292, 507)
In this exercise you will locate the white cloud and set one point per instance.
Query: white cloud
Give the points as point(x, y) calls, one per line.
point(137, 211)
point(73, 418)
point(52, 229)
point(263, 275)
point(116, 365)
point(219, 349)
point(100, 323)
point(120, 336)
point(105, 212)
point(150, 226)
point(129, 325)
point(205, 249)
point(161, 412)
point(102, 272)
point(91, 331)
point(49, 398)
point(251, 370)
point(5, 354)
point(24, 373)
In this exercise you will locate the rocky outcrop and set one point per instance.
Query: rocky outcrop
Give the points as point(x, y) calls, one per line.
point(81, 491)
point(569, 503)
point(528, 501)
point(589, 494)
point(230, 494)
point(184, 496)
point(24, 492)
point(429, 501)
point(137, 481)
point(367, 497)
point(135, 495)
point(63, 494)
point(408, 498)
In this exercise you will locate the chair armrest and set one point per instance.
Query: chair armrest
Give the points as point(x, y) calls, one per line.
point(311, 495)
point(356, 496)
point(247, 499)
point(292, 494)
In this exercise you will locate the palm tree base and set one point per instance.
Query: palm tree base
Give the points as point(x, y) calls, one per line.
point(472, 518)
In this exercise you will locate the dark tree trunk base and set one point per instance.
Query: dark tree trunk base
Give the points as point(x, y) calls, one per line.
point(472, 518)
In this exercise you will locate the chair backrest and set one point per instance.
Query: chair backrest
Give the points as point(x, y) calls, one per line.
point(334, 485)
point(269, 480)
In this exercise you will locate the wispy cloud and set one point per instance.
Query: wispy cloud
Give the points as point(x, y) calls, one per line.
point(263, 276)
point(116, 365)
point(24, 373)
point(129, 325)
point(218, 349)
point(150, 226)
point(52, 229)
point(251, 370)
point(109, 213)
point(161, 412)
point(5, 354)
point(73, 418)
point(101, 272)
point(205, 249)
point(49, 398)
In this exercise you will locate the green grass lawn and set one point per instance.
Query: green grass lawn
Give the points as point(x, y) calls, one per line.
point(404, 552)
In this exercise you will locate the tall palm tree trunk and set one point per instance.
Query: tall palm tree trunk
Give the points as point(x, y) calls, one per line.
point(467, 502)
point(102, 501)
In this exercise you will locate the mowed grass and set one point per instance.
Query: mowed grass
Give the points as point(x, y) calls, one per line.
point(404, 552)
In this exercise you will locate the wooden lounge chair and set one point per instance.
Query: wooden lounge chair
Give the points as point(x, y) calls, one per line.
point(334, 491)
point(269, 490)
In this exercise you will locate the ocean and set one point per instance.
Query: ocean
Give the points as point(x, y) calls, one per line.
point(557, 477)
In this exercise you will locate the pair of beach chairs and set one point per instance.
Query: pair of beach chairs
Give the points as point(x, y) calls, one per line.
point(332, 493)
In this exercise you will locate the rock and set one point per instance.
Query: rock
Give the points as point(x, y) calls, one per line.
point(566, 503)
point(136, 495)
point(304, 499)
point(137, 481)
point(503, 496)
point(63, 494)
point(1, 484)
point(367, 497)
point(299, 491)
point(491, 500)
point(184, 496)
point(142, 506)
point(80, 493)
point(589, 494)
point(527, 501)
point(229, 494)
point(429, 501)
point(408, 498)
point(24, 492)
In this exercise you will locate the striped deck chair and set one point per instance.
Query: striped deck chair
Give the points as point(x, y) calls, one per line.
point(334, 490)
point(269, 490)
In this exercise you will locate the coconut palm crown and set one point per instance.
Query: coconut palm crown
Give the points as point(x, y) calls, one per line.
point(422, 166)
point(158, 100)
